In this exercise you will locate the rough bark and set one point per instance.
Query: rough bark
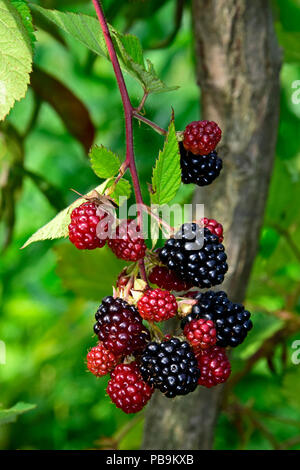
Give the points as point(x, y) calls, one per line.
point(238, 64)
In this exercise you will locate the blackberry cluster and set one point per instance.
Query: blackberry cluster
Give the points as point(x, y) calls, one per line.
point(232, 321)
point(199, 169)
point(170, 366)
point(119, 326)
point(196, 256)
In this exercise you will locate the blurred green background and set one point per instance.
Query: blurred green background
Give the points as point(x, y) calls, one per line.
point(49, 292)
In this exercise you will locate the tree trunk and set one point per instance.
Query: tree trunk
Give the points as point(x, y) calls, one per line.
point(238, 65)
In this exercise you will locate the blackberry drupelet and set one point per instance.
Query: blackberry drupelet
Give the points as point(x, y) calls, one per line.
point(232, 321)
point(170, 366)
point(196, 256)
point(119, 326)
point(199, 169)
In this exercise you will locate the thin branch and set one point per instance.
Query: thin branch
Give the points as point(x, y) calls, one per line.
point(149, 123)
point(128, 111)
point(142, 103)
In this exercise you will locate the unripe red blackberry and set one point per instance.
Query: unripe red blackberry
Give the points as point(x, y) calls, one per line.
point(157, 305)
point(214, 366)
point(127, 389)
point(201, 137)
point(214, 227)
point(170, 366)
point(167, 279)
point(119, 326)
point(100, 361)
point(196, 256)
point(82, 229)
point(127, 242)
point(201, 334)
point(232, 321)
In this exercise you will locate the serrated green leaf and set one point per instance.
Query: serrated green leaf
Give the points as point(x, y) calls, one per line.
point(123, 188)
point(24, 10)
point(104, 162)
point(166, 177)
point(58, 227)
point(16, 57)
point(86, 29)
point(10, 415)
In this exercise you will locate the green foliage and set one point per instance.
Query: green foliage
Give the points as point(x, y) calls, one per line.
point(166, 177)
point(11, 415)
point(86, 29)
point(16, 57)
point(104, 162)
point(47, 320)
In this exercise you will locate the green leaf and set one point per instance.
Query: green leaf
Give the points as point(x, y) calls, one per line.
point(58, 227)
point(89, 274)
point(123, 188)
point(104, 162)
point(16, 57)
point(166, 177)
point(87, 30)
point(24, 10)
point(11, 415)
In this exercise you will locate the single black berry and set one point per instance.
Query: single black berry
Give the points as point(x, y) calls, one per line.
point(199, 169)
point(196, 255)
point(231, 320)
point(170, 366)
point(119, 326)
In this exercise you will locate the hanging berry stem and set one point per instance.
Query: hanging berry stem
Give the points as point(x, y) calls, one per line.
point(128, 111)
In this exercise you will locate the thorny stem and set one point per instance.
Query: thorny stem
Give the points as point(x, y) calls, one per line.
point(128, 111)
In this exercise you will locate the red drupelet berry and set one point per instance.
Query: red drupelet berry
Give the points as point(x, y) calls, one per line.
point(100, 361)
point(201, 137)
point(128, 243)
point(157, 305)
point(82, 229)
point(167, 279)
point(127, 389)
point(201, 334)
point(214, 366)
point(214, 227)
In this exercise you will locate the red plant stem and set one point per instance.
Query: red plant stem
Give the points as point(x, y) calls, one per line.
point(128, 111)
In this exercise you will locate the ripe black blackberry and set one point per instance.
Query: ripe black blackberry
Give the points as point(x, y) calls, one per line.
point(170, 366)
point(232, 321)
point(196, 255)
point(199, 169)
point(119, 326)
